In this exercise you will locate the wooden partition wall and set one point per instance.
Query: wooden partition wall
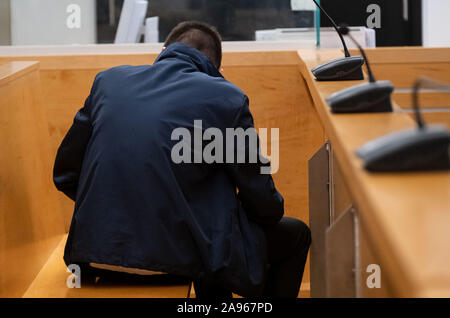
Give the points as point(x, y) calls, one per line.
point(31, 223)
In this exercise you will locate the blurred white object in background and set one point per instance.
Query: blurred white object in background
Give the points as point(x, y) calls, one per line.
point(131, 24)
point(300, 5)
point(328, 36)
point(152, 30)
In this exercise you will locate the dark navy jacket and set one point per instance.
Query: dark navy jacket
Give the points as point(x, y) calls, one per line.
point(134, 207)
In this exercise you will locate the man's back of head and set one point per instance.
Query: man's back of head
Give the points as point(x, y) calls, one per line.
point(200, 36)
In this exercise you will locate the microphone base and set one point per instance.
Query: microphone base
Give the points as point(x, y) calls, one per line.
point(343, 69)
point(416, 149)
point(364, 98)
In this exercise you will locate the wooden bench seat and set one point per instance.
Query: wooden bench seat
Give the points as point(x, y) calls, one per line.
point(51, 283)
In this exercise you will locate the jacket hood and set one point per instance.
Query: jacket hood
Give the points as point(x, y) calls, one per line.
point(185, 52)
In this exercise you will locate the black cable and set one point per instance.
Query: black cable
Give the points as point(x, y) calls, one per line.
point(347, 53)
point(346, 31)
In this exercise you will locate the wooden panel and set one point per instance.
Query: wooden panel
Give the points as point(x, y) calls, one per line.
point(319, 218)
point(104, 61)
point(31, 216)
point(407, 214)
point(64, 93)
point(10, 72)
point(340, 257)
point(84, 61)
point(402, 65)
point(51, 283)
point(404, 75)
point(406, 55)
point(437, 118)
point(426, 100)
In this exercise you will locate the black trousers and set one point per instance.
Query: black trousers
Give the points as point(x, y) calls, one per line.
point(287, 248)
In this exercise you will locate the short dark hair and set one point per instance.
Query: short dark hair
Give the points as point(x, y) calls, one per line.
point(200, 36)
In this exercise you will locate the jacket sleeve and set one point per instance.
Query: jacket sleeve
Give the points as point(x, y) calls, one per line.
point(257, 193)
point(69, 158)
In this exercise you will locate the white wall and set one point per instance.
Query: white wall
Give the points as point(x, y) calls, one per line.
point(5, 27)
point(436, 22)
point(43, 22)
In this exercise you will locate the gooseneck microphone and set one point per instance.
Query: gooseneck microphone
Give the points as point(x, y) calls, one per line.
point(423, 148)
point(345, 30)
point(343, 69)
point(372, 97)
point(347, 53)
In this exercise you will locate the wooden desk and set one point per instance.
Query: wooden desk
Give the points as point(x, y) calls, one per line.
point(401, 221)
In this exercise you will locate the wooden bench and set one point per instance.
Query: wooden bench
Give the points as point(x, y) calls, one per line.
point(33, 230)
point(51, 283)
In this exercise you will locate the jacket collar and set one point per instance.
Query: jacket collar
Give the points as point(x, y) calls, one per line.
point(189, 54)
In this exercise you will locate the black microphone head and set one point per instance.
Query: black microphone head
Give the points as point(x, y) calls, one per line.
point(408, 150)
point(363, 98)
point(344, 29)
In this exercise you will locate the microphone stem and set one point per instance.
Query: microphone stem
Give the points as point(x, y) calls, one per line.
point(417, 113)
point(369, 69)
point(347, 53)
point(425, 83)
